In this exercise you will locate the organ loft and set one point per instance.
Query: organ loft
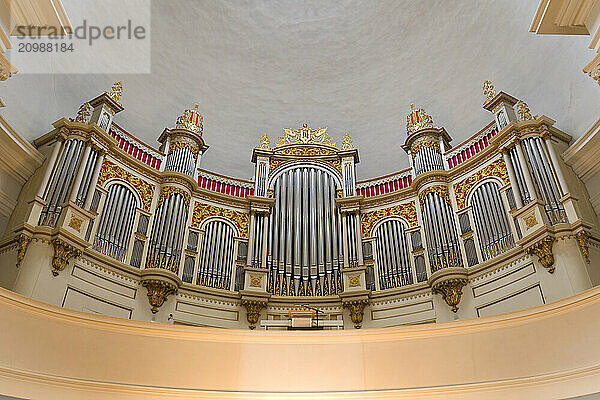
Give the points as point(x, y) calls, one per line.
point(112, 225)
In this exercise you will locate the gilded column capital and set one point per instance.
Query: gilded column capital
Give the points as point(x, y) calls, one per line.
point(63, 252)
point(253, 309)
point(158, 291)
point(451, 291)
point(543, 250)
point(356, 308)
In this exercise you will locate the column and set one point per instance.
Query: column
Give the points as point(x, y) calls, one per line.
point(547, 140)
point(513, 179)
point(89, 196)
point(58, 146)
point(526, 171)
point(357, 229)
point(251, 237)
point(345, 239)
point(265, 239)
point(80, 171)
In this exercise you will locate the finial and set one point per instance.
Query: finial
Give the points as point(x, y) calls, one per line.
point(417, 120)
point(190, 120)
point(347, 142)
point(265, 143)
point(523, 111)
point(85, 110)
point(116, 92)
point(488, 91)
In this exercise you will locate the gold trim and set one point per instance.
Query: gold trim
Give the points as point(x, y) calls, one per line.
point(461, 189)
point(253, 309)
point(63, 252)
point(356, 308)
point(406, 210)
point(582, 240)
point(305, 135)
point(451, 291)
point(543, 250)
point(111, 170)
point(22, 244)
point(203, 211)
point(158, 291)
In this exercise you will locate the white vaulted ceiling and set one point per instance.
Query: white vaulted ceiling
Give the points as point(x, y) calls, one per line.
point(259, 66)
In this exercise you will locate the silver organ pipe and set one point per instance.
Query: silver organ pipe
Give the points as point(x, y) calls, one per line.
point(167, 231)
point(87, 178)
point(491, 221)
point(440, 233)
point(181, 160)
point(62, 178)
point(116, 222)
point(216, 257)
point(305, 233)
point(427, 159)
point(544, 179)
point(517, 167)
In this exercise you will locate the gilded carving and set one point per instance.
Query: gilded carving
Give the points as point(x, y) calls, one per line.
point(461, 189)
point(432, 144)
point(166, 192)
point(451, 291)
point(523, 111)
point(158, 291)
point(336, 164)
point(84, 113)
point(265, 143)
point(406, 210)
point(253, 308)
point(417, 120)
point(543, 250)
point(255, 280)
point(202, 211)
point(356, 308)
point(116, 92)
point(22, 244)
point(305, 151)
point(582, 240)
point(354, 281)
point(347, 142)
point(488, 91)
point(305, 135)
point(75, 223)
point(191, 120)
point(180, 144)
point(110, 170)
point(530, 220)
point(442, 191)
point(63, 252)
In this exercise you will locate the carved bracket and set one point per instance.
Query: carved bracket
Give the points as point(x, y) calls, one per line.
point(356, 308)
point(253, 308)
point(543, 249)
point(158, 291)
point(451, 291)
point(22, 244)
point(63, 252)
point(582, 240)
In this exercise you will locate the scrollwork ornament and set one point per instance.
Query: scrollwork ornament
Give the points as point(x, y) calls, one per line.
point(356, 308)
point(305, 135)
point(442, 191)
point(347, 142)
point(63, 252)
point(253, 309)
point(523, 111)
point(84, 113)
point(417, 120)
point(582, 240)
point(116, 92)
point(169, 191)
point(203, 211)
point(22, 244)
point(158, 291)
point(488, 91)
point(265, 142)
point(406, 210)
point(543, 250)
point(451, 291)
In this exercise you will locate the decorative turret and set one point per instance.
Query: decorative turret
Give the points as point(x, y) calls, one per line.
point(184, 144)
point(501, 105)
point(424, 142)
point(104, 107)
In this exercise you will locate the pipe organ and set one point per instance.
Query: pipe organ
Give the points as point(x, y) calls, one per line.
point(304, 227)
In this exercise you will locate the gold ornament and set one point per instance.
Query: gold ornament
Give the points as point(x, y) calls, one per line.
point(543, 250)
point(255, 281)
point(183, 145)
point(406, 210)
point(335, 164)
point(461, 189)
point(451, 291)
point(442, 191)
point(305, 135)
point(417, 120)
point(253, 308)
point(191, 120)
point(265, 142)
point(305, 151)
point(582, 240)
point(63, 252)
point(22, 244)
point(488, 91)
point(347, 142)
point(116, 92)
point(426, 143)
point(110, 170)
point(523, 111)
point(169, 191)
point(75, 223)
point(84, 113)
point(158, 291)
point(356, 308)
point(203, 211)
point(354, 281)
point(530, 220)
